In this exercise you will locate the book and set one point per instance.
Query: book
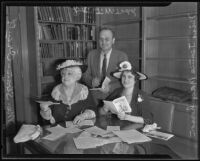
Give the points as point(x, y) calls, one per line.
point(104, 84)
point(118, 105)
point(159, 135)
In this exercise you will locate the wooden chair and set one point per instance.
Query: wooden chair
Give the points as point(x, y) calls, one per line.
point(163, 114)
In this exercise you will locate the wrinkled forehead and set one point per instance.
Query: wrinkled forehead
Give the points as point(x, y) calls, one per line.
point(73, 70)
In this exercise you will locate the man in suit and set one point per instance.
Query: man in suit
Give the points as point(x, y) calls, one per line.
point(101, 62)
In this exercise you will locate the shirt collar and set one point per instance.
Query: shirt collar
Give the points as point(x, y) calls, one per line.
point(108, 54)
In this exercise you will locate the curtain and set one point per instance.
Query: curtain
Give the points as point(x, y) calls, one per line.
point(12, 38)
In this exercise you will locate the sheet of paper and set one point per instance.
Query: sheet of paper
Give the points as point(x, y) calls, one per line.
point(159, 135)
point(82, 123)
point(132, 136)
point(88, 142)
point(113, 128)
point(49, 102)
point(114, 139)
point(96, 130)
point(70, 124)
point(104, 84)
point(110, 106)
point(86, 123)
point(59, 131)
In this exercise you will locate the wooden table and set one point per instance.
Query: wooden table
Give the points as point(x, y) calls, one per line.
point(174, 148)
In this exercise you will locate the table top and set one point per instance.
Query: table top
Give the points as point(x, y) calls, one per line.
point(66, 145)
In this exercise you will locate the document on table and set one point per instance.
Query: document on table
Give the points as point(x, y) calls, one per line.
point(88, 142)
point(159, 135)
point(113, 128)
point(82, 123)
point(132, 136)
point(59, 131)
point(96, 130)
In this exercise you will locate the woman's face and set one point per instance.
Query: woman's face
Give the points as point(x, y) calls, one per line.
point(128, 79)
point(69, 76)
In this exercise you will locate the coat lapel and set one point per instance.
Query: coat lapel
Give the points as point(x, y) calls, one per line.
point(97, 62)
point(111, 63)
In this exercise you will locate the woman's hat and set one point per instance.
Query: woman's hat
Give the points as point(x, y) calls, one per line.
point(126, 66)
point(71, 63)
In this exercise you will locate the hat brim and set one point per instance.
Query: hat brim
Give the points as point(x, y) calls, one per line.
point(83, 67)
point(118, 75)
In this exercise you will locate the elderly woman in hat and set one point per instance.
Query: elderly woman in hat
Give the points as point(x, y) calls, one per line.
point(70, 100)
point(135, 97)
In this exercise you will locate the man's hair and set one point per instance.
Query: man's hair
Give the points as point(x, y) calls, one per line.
point(107, 28)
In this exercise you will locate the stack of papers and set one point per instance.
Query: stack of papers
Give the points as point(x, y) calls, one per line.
point(96, 130)
point(132, 136)
point(82, 123)
point(59, 131)
point(159, 135)
point(86, 142)
point(113, 128)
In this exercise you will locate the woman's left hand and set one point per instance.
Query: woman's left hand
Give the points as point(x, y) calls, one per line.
point(78, 119)
point(121, 115)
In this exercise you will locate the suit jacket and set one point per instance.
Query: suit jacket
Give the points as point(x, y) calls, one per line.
point(93, 69)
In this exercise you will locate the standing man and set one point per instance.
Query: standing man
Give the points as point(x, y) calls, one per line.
point(101, 63)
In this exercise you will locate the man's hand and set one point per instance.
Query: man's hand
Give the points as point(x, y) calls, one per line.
point(95, 82)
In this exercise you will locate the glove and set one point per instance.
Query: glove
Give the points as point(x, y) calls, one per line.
point(121, 115)
point(88, 114)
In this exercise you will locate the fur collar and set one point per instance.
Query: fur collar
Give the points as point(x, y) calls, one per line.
point(80, 93)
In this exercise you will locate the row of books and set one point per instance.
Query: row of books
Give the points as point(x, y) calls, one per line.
point(67, 14)
point(66, 49)
point(66, 32)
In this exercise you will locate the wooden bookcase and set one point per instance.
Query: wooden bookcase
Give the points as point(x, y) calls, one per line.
point(127, 24)
point(61, 33)
point(170, 58)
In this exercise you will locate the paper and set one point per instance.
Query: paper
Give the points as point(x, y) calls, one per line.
point(113, 128)
point(59, 131)
point(88, 142)
point(104, 84)
point(82, 123)
point(86, 123)
point(118, 105)
point(159, 135)
point(131, 136)
point(96, 130)
point(27, 132)
point(48, 102)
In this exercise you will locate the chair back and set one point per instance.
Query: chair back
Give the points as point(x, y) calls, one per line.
point(163, 114)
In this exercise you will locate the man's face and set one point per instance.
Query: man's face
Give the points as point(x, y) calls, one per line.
point(106, 40)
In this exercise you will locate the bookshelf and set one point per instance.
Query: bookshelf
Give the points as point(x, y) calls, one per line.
point(128, 33)
point(61, 33)
point(170, 59)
